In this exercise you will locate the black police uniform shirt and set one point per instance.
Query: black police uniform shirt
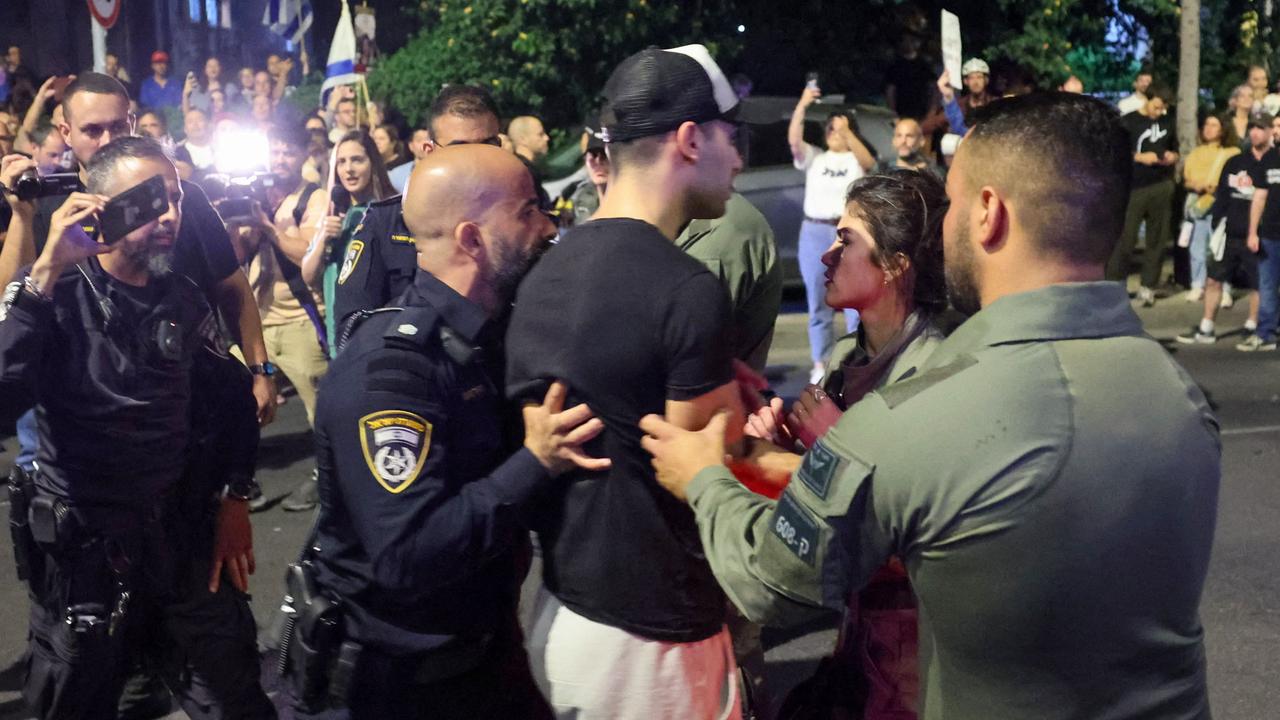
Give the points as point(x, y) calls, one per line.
point(202, 250)
point(1148, 135)
point(379, 263)
point(112, 393)
point(1241, 175)
point(629, 321)
point(420, 504)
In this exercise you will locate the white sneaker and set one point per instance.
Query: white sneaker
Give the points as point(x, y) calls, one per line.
point(1194, 295)
point(1146, 296)
point(1227, 301)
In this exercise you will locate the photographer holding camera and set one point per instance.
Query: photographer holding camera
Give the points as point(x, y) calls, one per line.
point(96, 110)
point(270, 246)
point(125, 549)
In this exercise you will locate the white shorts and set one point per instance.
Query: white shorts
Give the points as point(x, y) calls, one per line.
point(589, 671)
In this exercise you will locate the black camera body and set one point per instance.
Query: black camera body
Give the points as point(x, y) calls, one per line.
point(31, 185)
point(238, 199)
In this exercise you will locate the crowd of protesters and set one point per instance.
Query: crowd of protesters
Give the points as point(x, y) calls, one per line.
point(347, 197)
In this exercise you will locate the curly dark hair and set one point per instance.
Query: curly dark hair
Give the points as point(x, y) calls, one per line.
point(903, 209)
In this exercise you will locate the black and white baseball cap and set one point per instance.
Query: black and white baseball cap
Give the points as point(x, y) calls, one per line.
point(654, 91)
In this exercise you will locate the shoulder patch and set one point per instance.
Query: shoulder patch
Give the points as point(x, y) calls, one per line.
point(354, 249)
point(908, 387)
point(796, 528)
point(819, 467)
point(395, 445)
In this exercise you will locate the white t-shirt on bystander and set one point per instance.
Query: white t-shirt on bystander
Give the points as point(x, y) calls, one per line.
point(826, 181)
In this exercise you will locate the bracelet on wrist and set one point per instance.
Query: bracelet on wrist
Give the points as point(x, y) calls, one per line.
point(32, 286)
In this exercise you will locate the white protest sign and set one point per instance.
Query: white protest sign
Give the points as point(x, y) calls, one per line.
point(951, 53)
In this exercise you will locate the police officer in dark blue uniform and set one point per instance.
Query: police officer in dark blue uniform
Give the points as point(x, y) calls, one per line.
point(114, 536)
point(422, 537)
point(382, 268)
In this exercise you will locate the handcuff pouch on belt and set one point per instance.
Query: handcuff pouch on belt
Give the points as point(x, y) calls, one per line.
point(21, 489)
point(314, 652)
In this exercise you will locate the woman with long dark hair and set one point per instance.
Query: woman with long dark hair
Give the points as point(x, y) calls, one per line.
point(886, 263)
point(361, 174)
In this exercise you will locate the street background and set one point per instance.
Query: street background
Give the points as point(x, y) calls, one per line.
point(1241, 607)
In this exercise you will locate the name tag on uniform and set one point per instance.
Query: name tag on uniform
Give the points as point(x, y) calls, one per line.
point(796, 528)
point(406, 239)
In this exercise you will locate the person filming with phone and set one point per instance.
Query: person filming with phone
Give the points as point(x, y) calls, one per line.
point(128, 555)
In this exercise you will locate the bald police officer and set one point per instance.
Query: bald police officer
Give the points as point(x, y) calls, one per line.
point(422, 532)
point(1049, 476)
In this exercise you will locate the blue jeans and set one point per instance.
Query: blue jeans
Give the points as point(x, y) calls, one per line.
point(1198, 251)
point(815, 239)
point(28, 440)
point(1268, 284)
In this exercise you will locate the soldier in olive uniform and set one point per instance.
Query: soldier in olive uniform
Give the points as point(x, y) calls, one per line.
point(1049, 476)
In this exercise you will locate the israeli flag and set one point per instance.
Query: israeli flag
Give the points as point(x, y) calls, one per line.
point(289, 19)
point(341, 68)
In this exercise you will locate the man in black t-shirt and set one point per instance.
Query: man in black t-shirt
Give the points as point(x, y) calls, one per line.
point(1263, 242)
point(635, 326)
point(1235, 262)
point(1151, 198)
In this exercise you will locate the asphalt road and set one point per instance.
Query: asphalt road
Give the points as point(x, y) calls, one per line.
point(1241, 607)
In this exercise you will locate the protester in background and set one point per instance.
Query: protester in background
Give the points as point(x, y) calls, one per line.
point(159, 91)
point(35, 115)
point(529, 137)
point(390, 148)
point(1234, 261)
point(316, 167)
point(1200, 177)
point(1263, 100)
point(358, 169)
point(48, 150)
point(1138, 99)
point(587, 196)
point(1239, 108)
point(111, 66)
point(343, 103)
point(827, 175)
point(152, 124)
point(201, 94)
point(1155, 155)
point(908, 144)
point(260, 110)
point(198, 144)
point(1264, 244)
point(419, 147)
point(906, 82)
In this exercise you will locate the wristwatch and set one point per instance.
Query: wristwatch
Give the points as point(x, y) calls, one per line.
point(242, 488)
point(268, 369)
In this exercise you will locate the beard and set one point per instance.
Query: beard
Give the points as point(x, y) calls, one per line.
point(509, 266)
point(962, 283)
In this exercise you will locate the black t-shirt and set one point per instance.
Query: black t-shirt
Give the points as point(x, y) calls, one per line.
point(1148, 135)
point(912, 81)
point(1267, 177)
point(202, 251)
point(1234, 196)
point(629, 321)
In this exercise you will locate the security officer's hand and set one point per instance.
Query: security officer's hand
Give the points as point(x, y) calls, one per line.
point(555, 436)
point(68, 243)
point(679, 454)
point(233, 546)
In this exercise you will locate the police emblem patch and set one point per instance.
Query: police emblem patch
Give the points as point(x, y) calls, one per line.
point(395, 444)
point(354, 249)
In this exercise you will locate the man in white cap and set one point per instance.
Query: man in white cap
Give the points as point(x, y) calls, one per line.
point(977, 78)
point(630, 623)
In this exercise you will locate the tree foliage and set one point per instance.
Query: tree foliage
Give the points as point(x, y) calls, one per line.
point(546, 57)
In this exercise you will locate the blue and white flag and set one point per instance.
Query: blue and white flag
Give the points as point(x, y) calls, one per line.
point(341, 68)
point(289, 19)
